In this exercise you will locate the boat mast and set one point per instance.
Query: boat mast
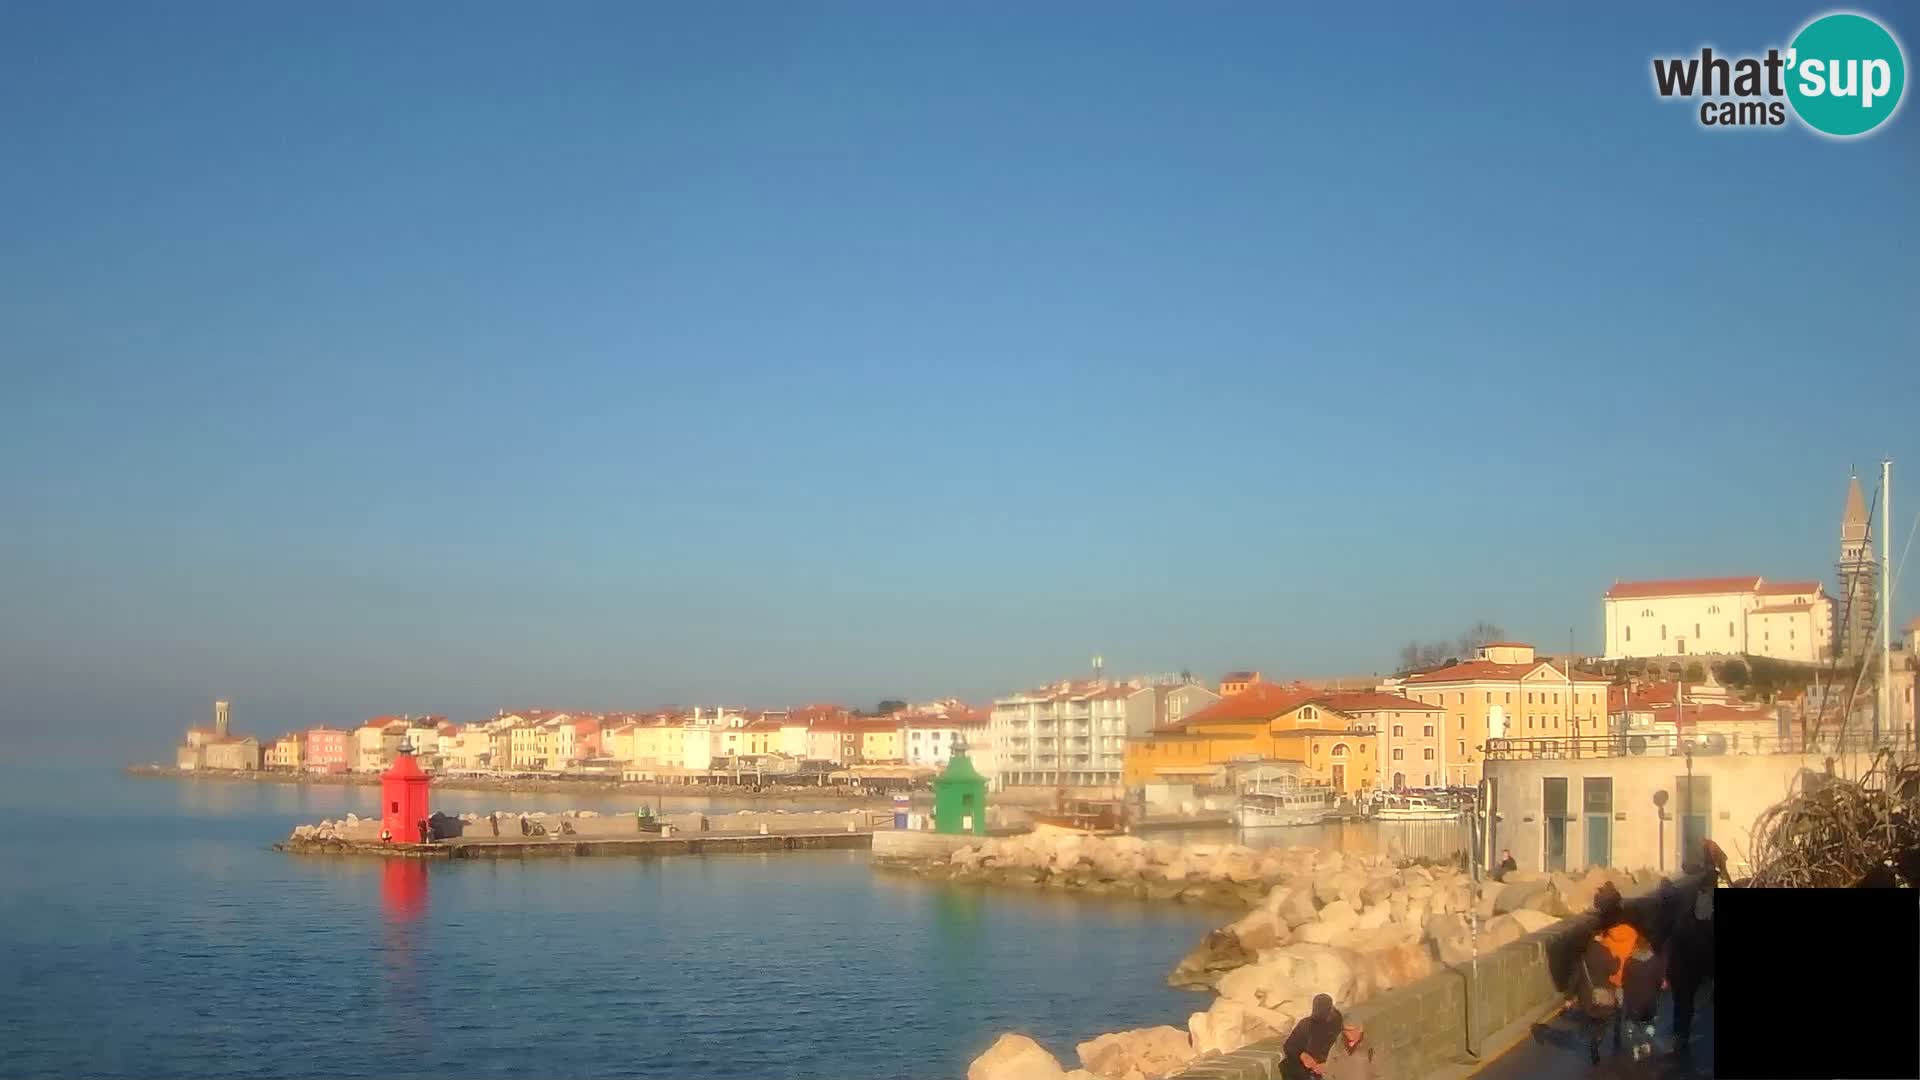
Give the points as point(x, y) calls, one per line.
point(1885, 705)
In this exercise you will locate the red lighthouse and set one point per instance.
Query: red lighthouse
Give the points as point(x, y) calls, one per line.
point(403, 798)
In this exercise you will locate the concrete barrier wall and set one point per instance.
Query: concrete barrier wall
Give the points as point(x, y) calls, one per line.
point(889, 845)
point(1426, 1029)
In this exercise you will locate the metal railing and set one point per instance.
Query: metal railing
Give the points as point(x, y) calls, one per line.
point(1665, 744)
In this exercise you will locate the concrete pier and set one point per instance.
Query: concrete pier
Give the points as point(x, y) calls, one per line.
point(546, 847)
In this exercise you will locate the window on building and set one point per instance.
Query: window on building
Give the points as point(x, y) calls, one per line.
point(1427, 753)
point(1663, 631)
point(1509, 697)
point(1399, 731)
point(1529, 699)
point(1696, 629)
point(1428, 731)
point(1629, 633)
point(1429, 780)
point(1729, 629)
point(1463, 698)
point(1463, 747)
point(1399, 754)
point(1489, 700)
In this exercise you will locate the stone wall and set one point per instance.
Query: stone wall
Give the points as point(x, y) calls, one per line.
point(901, 846)
point(1425, 1029)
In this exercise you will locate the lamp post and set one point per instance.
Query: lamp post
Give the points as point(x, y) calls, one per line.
point(1660, 812)
point(1686, 811)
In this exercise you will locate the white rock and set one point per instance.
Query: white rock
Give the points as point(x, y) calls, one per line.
point(1015, 1057)
point(1339, 914)
point(1149, 1052)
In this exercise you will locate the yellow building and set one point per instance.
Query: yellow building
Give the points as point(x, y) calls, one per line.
point(287, 752)
point(659, 744)
point(879, 741)
point(524, 746)
point(1264, 722)
point(1505, 692)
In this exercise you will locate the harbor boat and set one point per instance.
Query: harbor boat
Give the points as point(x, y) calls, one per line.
point(1291, 806)
point(1083, 816)
point(1413, 808)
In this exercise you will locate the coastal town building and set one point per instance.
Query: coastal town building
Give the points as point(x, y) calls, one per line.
point(1272, 722)
point(1074, 733)
point(1504, 691)
point(236, 753)
point(927, 739)
point(1724, 616)
point(1652, 799)
point(287, 753)
point(329, 750)
point(879, 740)
point(1235, 682)
point(1408, 743)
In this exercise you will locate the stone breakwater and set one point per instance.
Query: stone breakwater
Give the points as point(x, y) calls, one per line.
point(1319, 922)
point(593, 825)
point(836, 793)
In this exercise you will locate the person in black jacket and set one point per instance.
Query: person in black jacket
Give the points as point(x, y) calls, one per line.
point(1507, 865)
point(1690, 955)
point(1311, 1041)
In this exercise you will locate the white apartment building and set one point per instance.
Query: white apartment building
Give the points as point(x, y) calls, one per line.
point(1074, 734)
point(1728, 616)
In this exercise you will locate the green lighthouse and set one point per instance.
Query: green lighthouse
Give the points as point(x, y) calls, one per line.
point(960, 796)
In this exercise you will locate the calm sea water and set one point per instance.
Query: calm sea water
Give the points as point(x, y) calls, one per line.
point(146, 929)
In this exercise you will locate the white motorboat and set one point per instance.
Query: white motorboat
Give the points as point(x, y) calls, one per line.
point(1412, 808)
point(1285, 807)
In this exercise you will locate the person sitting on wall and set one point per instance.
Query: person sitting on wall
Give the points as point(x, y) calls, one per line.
point(1507, 865)
point(1311, 1041)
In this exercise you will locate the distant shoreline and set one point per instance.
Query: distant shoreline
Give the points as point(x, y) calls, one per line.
point(529, 786)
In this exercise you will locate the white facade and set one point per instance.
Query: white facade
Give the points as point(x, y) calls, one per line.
point(1071, 734)
point(1719, 617)
point(699, 744)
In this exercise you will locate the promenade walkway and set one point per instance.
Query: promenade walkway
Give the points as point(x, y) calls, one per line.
point(1558, 1051)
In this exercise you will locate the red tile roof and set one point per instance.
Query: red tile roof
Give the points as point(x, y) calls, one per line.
point(1259, 702)
point(1240, 676)
point(1487, 670)
point(1782, 609)
point(1357, 701)
point(1628, 590)
point(1778, 588)
point(1508, 645)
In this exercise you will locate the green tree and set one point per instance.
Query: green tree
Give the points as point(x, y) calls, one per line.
point(1735, 673)
point(889, 707)
point(1695, 673)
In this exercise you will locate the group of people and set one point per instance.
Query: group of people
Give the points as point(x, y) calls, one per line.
point(1616, 984)
point(1326, 1046)
point(1618, 978)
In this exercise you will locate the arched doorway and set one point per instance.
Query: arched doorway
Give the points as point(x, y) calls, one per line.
point(1340, 767)
point(1399, 781)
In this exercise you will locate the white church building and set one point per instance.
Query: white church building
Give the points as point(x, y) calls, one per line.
point(1784, 620)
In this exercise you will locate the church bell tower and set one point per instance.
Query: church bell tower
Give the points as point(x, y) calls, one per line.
point(1859, 596)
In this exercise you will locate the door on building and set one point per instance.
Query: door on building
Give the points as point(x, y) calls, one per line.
point(1696, 815)
point(1553, 800)
point(1399, 781)
point(1597, 804)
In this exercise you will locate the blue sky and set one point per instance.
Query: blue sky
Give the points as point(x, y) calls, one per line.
point(363, 358)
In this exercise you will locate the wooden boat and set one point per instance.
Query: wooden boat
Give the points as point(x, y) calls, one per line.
point(1082, 816)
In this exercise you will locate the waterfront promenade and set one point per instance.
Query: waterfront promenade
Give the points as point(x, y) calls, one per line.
point(1558, 1050)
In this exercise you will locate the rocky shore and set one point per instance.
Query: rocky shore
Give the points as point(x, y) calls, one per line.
point(1315, 922)
point(771, 793)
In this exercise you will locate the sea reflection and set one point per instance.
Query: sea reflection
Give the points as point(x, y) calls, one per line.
point(403, 890)
point(403, 900)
